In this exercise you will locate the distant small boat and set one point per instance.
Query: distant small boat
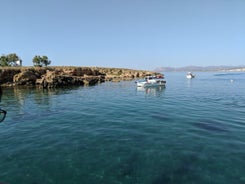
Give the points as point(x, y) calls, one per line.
point(151, 81)
point(189, 75)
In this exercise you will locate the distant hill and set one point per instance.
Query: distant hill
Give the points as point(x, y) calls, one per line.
point(200, 68)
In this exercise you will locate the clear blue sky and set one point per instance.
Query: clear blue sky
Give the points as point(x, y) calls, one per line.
point(139, 34)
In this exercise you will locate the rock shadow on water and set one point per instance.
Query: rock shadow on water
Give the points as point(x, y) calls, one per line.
point(211, 126)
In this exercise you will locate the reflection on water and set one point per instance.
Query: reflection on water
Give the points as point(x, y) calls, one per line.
point(189, 83)
point(117, 133)
point(21, 102)
point(152, 91)
point(20, 94)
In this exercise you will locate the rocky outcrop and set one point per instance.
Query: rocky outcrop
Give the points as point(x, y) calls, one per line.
point(6, 75)
point(118, 74)
point(52, 77)
point(26, 77)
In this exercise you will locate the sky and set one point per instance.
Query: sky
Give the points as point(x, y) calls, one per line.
point(135, 34)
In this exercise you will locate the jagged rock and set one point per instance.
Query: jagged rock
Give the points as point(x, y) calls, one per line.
point(52, 77)
point(6, 75)
point(27, 77)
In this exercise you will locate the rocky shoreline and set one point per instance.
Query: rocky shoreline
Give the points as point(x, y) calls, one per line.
point(53, 77)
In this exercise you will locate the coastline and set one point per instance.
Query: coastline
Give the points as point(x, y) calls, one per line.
point(61, 76)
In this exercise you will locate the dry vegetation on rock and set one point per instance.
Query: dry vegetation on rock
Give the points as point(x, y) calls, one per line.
point(60, 76)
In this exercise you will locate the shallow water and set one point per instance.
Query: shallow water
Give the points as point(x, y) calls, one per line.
point(192, 131)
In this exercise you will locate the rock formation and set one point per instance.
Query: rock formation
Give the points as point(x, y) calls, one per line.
point(52, 77)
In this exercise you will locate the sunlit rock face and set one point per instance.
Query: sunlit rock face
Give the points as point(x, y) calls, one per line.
point(52, 77)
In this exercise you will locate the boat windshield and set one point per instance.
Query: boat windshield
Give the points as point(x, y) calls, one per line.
point(149, 78)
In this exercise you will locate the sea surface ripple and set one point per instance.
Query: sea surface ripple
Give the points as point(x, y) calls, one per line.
point(192, 131)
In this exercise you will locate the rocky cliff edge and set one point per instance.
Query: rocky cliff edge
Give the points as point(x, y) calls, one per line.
point(52, 77)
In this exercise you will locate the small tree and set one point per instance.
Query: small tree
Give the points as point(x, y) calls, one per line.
point(12, 58)
point(37, 61)
point(4, 61)
point(9, 60)
point(41, 61)
point(46, 61)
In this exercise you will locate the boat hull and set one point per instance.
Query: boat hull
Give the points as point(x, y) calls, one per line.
point(151, 81)
point(190, 76)
point(151, 84)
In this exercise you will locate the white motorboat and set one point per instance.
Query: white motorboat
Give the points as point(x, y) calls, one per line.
point(151, 81)
point(189, 75)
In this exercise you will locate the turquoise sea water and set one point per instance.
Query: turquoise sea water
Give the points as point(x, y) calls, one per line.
point(192, 131)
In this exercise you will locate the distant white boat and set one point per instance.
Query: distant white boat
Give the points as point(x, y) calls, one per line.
point(189, 75)
point(151, 81)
